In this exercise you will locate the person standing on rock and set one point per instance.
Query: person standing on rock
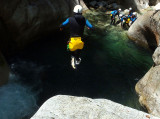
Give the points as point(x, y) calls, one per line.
point(113, 15)
point(133, 17)
point(124, 21)
point(75, 43)
point(130, 12)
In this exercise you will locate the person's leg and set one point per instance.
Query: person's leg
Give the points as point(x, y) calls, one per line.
point(73, 59)
point(114, 20)
point(111, 19)
point(77, 56)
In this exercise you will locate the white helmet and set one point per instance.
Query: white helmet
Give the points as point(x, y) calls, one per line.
point(119, 9)
point(78, 9)
point(130, 8)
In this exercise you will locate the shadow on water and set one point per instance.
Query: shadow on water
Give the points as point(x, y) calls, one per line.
point(111, 66)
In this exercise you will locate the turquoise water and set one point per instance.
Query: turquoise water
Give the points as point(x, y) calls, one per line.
point(119, 64)
point(111, 66)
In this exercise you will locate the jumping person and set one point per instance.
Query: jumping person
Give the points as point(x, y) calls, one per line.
point(75, 43)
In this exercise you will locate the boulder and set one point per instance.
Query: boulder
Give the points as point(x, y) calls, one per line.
point(148, 88)
point(70, 107)
point(157, 7)
point(145, 31)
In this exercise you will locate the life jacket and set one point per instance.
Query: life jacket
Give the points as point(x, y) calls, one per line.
point(133, 19)
point(75, 43)
point(128, 20)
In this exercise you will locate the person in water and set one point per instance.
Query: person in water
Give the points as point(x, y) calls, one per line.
point(113, 15)
point(75, 43)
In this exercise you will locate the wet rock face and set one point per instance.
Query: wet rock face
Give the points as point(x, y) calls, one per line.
point(149, 91)
point(21, 22)
point(146, 30)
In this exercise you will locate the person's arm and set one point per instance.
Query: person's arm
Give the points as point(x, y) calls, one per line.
point(134, 19)
point(88, 24)
point(64, 24)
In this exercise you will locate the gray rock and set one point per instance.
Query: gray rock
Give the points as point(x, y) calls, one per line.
point(145, 31)
point(70, 107)
point(157, 7)
point(156, 56)
point(148, 89)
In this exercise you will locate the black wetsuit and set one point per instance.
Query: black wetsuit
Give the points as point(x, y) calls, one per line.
point(77, 24)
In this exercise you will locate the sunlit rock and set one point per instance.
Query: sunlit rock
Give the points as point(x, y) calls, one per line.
point(148, 89)
point(157, 7)
point(145, 31)
point(70, 107)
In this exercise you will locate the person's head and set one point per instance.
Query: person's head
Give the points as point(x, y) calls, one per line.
point(119, 10)
point(77, 9)
point(134, 14)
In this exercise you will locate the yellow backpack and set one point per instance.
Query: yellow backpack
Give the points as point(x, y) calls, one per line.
point(128, 20)
point(75, 43)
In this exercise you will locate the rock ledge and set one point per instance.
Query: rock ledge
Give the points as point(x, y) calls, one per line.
point(70, 107)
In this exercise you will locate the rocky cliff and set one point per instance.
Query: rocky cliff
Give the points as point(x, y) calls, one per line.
point(148, 87)
point(146, 30)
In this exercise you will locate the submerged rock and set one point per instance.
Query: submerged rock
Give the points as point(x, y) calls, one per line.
point(70, 107)
point(146, 30)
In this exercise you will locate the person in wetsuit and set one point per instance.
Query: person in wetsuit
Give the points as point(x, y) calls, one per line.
point(77, 24)
point(133, 17)
point(113, 15)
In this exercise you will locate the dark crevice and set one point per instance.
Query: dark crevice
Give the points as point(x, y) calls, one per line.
point(150, 37)
point(152, 2)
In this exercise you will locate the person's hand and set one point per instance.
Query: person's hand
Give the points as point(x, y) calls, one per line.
point(88, 28)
